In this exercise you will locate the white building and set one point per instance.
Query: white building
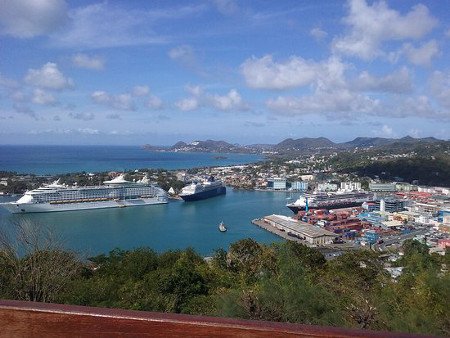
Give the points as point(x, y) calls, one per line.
point(327, 187)
point(299, 186)
point(278, 183)
point(350, 186)
point(382, 187)
point(307, 177)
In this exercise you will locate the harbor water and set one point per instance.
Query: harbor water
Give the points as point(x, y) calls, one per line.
point(176, 225)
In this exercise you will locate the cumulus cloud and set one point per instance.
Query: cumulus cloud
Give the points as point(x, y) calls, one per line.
point(199, 98)
point(318, 33)
point(185, 56)
point(187, 104)
point(120, 101)
point(140, 91)
point(422, 55)
point(439, 84)
point(88, 62)
point(230, 101)
point(396, 82)
point(42, 97)
point(371, 25)
point(331, 95)
point(267, 74)
point(48, 77)
point(387, 131)
point(26, 19)
point(154, 102)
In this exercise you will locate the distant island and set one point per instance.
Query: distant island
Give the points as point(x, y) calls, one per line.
point(302, 145)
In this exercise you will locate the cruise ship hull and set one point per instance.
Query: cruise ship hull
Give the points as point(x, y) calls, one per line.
point(204, 194)
point(16, 208)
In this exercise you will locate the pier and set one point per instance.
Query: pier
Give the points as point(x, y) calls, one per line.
point(266, 226)
point(329, 250)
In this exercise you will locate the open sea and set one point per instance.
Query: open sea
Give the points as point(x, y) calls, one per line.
point(42, 160)
point(176, 225)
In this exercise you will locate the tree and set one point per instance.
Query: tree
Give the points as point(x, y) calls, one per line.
point(35, 267)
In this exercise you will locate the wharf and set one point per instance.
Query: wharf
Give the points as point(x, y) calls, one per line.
point(329, 250)
point(259, 222)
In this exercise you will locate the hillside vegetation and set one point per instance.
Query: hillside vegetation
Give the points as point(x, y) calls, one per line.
point(286, 282)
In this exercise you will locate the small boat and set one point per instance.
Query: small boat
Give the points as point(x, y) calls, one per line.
point(222, 227)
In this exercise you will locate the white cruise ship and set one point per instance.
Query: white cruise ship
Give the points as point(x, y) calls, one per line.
point(112, 194)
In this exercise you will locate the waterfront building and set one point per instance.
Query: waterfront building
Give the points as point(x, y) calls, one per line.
point(277, 183)
point(324, 187)
point(385, 187)
point(299, 186)
point(309, 233)
point(401, 186)
point(350, 186)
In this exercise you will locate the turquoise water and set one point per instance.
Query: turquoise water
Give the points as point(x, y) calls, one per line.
point(43, 160)
point(177, 225)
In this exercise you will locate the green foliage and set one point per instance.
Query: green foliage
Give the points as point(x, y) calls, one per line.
point(281, 282)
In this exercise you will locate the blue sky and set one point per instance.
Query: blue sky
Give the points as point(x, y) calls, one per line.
point(135, 72)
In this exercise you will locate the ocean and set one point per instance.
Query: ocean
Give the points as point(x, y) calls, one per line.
point(176, 225)
point(43, 160)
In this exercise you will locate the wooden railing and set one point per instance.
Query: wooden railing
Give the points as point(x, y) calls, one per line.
point(29, 319)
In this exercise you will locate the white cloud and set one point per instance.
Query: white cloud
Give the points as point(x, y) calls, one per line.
point(188, 104)
point(420, 106)
point(231, 101)
point(341, 103)
point(387, 131)
point(124, 102)
point(371, 25)
point(140, 91)
point(26, 19)
point(101, 25)
point(154, 102)
point(184, 55)
point(100, 96)
point(48, 77)
point(396, 82)
point(439, 84)
point(194, 90)
point(88, 62)
point(267, 74)
point(121, 101)
point(199, 98)
point(422, 55)
point(42, 97)
point(318, 33)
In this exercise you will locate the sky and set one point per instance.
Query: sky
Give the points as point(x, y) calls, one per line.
point(158, 72)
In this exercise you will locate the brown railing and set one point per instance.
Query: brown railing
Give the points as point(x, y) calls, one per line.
point(29, 319)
